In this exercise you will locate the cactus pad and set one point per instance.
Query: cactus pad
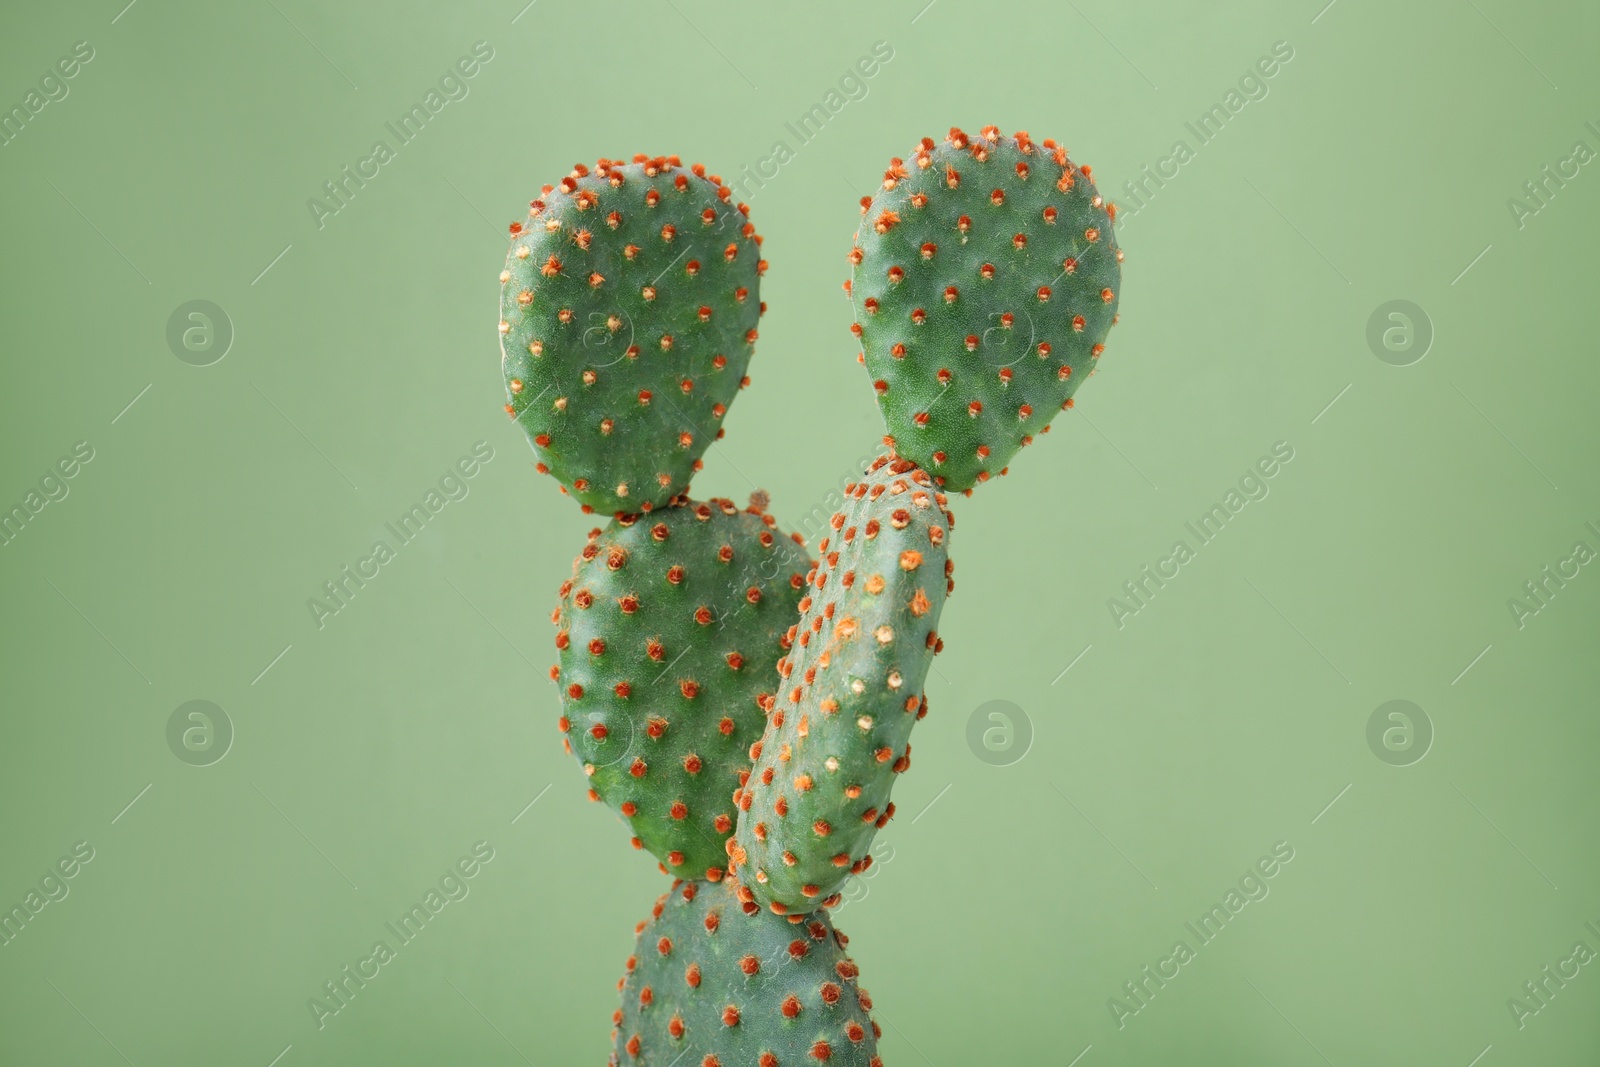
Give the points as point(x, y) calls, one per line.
point(628, 310)
point(669, 632)
point(715, 981)
point(985, 279)
point(837, 732)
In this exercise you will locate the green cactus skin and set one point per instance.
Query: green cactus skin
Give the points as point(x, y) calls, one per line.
point(985, 279)
point(669, 633)
point(717, 982)
point(628, 311)
point(837, 733)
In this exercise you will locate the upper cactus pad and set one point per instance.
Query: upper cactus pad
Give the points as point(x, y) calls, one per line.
point(628, 310)
point(715, 981)
point(837, 733)
point(985, 279)
point(669, 634)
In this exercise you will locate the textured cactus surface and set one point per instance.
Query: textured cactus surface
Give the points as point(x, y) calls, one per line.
point(745, 709)
point(628, 310)
point(837, 732)
point(985, 279)
point(716, 981)
point(669, 633)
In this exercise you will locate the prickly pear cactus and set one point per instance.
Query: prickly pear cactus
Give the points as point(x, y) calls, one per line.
point(746, 710)
point(716, 981)
point(669, 633)
point(837, 733)
point(985, 278)
point(628, 310)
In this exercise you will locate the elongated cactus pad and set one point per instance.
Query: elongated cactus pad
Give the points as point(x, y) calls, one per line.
point(985, 279)
point(715, 981)
point(669, 633)
point(628, 310)
point(837, 732)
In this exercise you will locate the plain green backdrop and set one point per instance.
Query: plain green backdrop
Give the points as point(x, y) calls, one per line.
point(1168, 753)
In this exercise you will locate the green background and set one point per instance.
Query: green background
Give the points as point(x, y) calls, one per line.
point(1223, 718)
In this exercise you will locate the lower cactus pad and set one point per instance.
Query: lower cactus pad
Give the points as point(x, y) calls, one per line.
point(716, 981)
